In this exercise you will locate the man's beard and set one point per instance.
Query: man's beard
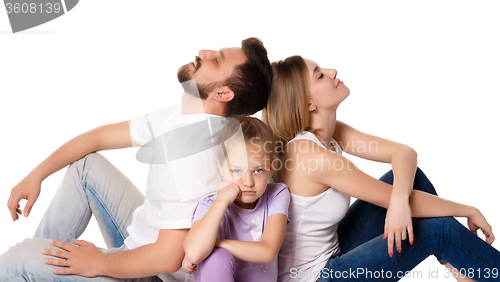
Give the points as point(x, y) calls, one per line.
point(195, 89)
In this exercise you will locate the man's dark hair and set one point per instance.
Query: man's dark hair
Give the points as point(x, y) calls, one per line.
point(250, 81)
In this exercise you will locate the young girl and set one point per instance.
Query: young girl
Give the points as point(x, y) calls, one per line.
point(237, 232)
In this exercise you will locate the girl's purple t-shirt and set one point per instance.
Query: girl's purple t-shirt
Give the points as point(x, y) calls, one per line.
point(248, 225)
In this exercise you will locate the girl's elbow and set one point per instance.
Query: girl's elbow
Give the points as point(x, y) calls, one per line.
point(194, 256)
point(268, 257)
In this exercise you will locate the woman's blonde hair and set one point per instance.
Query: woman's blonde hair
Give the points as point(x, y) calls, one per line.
point(287, 112)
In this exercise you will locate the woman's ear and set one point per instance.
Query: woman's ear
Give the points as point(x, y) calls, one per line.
point(223, 94)
point(311, 107)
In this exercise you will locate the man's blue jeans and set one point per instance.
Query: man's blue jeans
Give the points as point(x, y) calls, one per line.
point(364, 253)
point(91, 185)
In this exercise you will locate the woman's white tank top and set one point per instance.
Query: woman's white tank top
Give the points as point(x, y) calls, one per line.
point(311, 236)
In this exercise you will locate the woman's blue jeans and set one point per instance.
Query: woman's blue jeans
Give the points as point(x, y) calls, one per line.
point(364, 253)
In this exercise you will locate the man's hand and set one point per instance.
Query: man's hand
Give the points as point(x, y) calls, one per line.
point(228, 192)
point(84, 259)
point(397, 222)
point(28, 189)
point(188, 266)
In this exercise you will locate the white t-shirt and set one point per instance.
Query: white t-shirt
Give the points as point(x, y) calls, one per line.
point(182, 156)
point(311, 236)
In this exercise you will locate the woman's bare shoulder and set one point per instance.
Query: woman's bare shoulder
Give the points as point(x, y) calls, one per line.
point(298, 166)
point(302, 147)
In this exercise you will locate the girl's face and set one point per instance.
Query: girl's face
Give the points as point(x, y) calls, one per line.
point(327, 91)
point(250, 170)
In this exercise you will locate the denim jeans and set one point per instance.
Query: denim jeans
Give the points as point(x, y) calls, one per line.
point(91, 185)
point(364, 253)
point(365, 221)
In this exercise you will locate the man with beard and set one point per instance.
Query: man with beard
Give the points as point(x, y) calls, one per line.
point(145, 234)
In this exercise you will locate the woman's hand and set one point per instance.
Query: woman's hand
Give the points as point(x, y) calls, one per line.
point(397, 222)
point(477, 221)
point(228, 192)
point(188, 266)
point(28, 189)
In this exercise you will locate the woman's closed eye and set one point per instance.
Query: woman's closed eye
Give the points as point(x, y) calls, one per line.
point(320, 75)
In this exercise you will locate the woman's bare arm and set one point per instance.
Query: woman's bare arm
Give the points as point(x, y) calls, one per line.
point(339, 173)
point(402, 157)
point(404, 165)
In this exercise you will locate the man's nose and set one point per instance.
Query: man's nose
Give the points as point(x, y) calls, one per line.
point(205, 54)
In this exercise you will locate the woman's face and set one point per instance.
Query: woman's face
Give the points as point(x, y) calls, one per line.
point(327, 91)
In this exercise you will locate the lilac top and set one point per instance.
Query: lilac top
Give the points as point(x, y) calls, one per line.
point(248, 224)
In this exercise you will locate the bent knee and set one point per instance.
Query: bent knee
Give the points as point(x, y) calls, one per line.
point(24, 260)
point(219, 257)
point(89, 165)
point(90, 158)
point(437, 225)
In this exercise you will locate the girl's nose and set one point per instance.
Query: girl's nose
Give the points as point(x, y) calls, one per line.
point(248, 180)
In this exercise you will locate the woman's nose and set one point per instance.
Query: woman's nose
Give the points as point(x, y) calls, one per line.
point(204, 54)
point(332, 73)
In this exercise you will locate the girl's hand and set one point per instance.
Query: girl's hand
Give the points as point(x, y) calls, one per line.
point(478, 221)
point(228, 192)
point(397, 222)
point(188, 266)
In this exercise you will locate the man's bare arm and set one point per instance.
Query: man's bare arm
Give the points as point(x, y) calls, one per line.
point(111, 136)
point(165, 255)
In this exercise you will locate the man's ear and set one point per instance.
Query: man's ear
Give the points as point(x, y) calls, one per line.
point(219, 166)
point(223, 94)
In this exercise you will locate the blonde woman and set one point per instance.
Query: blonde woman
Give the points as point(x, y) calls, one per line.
point(371, 242)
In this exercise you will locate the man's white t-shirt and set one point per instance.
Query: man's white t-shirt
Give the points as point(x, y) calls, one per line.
point(182, 170)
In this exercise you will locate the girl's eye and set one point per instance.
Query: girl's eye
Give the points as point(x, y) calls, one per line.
point(236, 171)
point(259, 170)
point(320, 76)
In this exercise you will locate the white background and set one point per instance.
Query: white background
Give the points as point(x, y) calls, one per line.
point(423, 73)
